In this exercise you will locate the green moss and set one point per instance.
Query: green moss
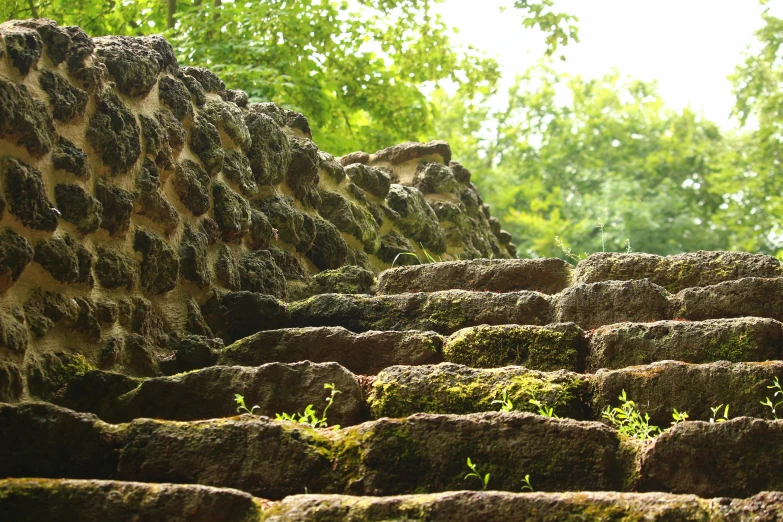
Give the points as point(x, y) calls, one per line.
point(534, 347)
point(60, 374)
point(736, 348)
point(445, 392)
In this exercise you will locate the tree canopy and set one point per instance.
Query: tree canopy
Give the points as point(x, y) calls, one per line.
point(567, 163)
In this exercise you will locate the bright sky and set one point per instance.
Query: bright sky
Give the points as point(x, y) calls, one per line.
point(688, 46)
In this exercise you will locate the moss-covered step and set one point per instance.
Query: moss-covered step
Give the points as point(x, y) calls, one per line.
point(558, 346)
point(452, 388)
point(661, 387)
point(443, 312)
point(36, 499)
point(548, 276)
point(270, 459)
point(752, 296)
point(483, 506)
point(209, 393)
point(365, 353)
point(677, 272)
point(745, 339)
point(591, 305)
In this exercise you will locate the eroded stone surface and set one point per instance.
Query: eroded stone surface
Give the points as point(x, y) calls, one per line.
point(677, 272)
point(209, 393)
point(442, 312)
point(411, 150)
point(751, 296)
point(596, 304)
point(417, 219)
point(114, 133)
point(736, 340)
point(547, 348)
point(50, 499)
point(548, 276)
point(374, 181)
point(735, 458)
point(365, 353)
point(399, 391)
point(661, 387)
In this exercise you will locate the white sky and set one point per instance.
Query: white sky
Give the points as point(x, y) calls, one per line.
point(688, 46)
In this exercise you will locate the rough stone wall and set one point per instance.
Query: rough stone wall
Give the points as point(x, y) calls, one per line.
point(143, 205)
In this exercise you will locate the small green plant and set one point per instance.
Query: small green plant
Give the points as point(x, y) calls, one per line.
point(427, 256)
point(679, 416)
point(240, 400)
point(629, 421)
point(474, 473)
point(309, 416)
point(505, 402)
point(394, 262)
point(717, 416)
point(543, 409)
point(778, 393)
point(528, 486)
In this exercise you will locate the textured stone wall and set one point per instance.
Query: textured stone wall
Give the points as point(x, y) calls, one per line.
point(144, 205)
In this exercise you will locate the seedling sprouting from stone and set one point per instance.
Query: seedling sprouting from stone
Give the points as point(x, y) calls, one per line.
point(546, 411)
point(680, 416)
point(527, 486)
point(778, 393)
point(474, 473)
point(629, 421)
point(717, 416)
point(309, 416)
point(505, 402)
point(240, 400)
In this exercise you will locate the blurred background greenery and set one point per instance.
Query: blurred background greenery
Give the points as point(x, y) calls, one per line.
point(565, 162)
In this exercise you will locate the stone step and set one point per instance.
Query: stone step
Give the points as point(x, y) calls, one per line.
point(400, 391)
point(483, 506)
point(422, 453)
point(548, 276)
point(36, 499)
point(746, 339)
point(365, 353)
point(547, 348)
point(57, 499)
point(235, 315)
point(657, 389)
point(678, 272)
point(442, 312)
point(209, 393)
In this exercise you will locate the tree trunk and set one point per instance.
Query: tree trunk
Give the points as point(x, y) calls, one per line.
point(33, 9)
point(170, 11)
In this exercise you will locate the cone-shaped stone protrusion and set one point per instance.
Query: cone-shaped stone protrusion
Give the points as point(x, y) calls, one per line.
point(548, 276)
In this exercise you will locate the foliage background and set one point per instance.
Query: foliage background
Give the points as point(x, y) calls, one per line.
point(585, 164)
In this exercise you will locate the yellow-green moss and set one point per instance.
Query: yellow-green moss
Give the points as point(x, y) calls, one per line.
point(534, 347)
point(445, 392)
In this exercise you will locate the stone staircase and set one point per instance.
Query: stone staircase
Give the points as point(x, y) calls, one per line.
point(166, 245)
point(418, 373)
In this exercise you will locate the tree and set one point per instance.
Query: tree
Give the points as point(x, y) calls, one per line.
point(593, 162)
point(358, 70)
point(750, 182)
